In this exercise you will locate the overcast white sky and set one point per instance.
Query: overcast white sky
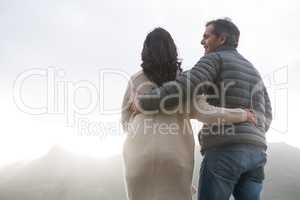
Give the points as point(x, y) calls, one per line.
point(82, 38)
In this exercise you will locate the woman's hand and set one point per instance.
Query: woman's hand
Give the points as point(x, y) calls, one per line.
point(251, 116)
point(134, 106)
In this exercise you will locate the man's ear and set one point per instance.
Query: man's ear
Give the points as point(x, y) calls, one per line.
point(222, 39)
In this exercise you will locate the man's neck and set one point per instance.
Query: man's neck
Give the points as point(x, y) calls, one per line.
point(225, 48)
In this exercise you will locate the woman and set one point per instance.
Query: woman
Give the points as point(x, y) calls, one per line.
point(159, 149)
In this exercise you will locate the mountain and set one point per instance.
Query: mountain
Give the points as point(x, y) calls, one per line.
point(61, 175)
point(282, 173)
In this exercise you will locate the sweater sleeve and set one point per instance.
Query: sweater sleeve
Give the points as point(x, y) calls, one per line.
point(209, 114)
point(185, 85)
point(127, 99)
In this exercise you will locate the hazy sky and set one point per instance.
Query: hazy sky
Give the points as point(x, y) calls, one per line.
point(79, 39)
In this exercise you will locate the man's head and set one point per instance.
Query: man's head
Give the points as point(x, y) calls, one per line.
point(220, 32)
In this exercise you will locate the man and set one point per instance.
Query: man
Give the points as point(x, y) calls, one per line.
point(234, 154)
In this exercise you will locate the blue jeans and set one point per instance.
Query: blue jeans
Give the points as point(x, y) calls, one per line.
point(236, 170)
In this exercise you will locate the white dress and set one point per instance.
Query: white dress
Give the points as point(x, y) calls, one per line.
point(158, 152)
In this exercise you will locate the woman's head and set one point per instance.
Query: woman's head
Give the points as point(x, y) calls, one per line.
point(159, 57)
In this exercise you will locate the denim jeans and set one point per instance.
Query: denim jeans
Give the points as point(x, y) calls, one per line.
point(236, 170)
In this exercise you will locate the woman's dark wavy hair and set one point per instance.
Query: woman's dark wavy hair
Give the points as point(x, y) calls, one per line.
point(159, 57)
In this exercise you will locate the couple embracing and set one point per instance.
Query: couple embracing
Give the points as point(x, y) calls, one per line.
point(224, 91)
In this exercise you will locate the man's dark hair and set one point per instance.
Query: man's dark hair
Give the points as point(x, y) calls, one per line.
point(159, 57)
point(224, 27)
